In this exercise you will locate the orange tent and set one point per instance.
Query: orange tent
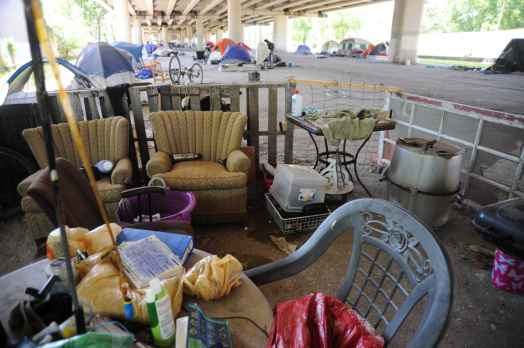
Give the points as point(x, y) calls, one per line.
point(222, 45)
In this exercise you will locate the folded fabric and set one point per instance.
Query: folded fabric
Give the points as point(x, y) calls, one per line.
point(213, 277)
point(346, 128)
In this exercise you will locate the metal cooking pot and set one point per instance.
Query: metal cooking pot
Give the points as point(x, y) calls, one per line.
point(426, 166)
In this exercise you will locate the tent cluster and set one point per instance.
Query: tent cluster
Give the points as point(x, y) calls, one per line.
point(227, 51)
point(351, 47)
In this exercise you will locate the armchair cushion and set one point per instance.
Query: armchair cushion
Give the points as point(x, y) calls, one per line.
point(123, 172)
point(159, 163)
point(203, 175)
point(24, 184)
point(237, 161)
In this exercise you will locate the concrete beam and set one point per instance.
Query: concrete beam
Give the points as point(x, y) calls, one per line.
point(150, 8)
point(332, 5)
point(211, 6)
point(170, 7)
point(190, 6)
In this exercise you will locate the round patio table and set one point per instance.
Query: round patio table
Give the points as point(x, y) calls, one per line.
point(245, 301)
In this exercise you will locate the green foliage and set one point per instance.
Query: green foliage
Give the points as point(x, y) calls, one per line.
point(11, 50)
point(301, 29)
point(483, 15)
point(473, 15)
point(65, 46)
point(92, 15)
point(344, 24)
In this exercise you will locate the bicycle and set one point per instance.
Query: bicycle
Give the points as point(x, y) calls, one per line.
point(195, 74)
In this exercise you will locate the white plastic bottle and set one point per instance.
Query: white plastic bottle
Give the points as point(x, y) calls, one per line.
point(296, 104)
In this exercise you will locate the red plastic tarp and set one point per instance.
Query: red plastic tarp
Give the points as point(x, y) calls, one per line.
point(320, 321)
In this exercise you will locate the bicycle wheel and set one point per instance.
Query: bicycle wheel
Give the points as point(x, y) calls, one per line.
point(175, 69)
point(196, 73)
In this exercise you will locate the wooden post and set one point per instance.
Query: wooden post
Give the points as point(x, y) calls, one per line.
point(272, 125)
point(194, 97)
point(252, 121)
point(288, 147)
point(165, 98)
point(235, 99)
point(215, 100)
point(140, 129)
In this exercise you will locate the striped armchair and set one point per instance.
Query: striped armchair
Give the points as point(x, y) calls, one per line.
point(219, 178)
point(105, 139)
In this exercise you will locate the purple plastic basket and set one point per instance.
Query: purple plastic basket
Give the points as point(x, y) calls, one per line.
point(173, 206)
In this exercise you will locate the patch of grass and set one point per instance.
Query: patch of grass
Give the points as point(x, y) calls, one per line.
point(447, 62)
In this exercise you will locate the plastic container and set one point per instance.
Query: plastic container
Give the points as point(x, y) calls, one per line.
point(297, 105)
point(174, 206)
point(297, 186)
point(160, 314)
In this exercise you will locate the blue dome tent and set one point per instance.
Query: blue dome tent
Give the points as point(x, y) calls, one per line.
point(236, 54)
point(303, 49)
point(107, 65)
point(134, 49)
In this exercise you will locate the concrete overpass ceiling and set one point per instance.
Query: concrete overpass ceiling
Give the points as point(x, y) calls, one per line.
point(180, 13)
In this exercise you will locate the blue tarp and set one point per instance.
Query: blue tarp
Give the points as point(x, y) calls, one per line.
point(134, 49)
point(303, 49)
point(235, 54)
point(101, 59)
point(150, 48)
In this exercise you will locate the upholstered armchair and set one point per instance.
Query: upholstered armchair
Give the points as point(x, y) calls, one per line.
point(219, 177)
point(105, 139)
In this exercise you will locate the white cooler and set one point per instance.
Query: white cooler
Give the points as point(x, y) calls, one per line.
point(297, 186)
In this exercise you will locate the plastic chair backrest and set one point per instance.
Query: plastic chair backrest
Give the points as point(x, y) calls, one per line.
point(395, 263)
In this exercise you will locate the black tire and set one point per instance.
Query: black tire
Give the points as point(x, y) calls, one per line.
point(196, 73)
point(175, 69)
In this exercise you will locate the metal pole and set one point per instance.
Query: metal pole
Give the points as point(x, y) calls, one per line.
point(45, 120)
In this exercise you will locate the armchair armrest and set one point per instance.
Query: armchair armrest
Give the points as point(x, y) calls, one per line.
point(159, 163)
point(237, 161)
point(123, 172)
point(23, 186)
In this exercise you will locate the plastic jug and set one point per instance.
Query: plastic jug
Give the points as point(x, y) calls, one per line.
point(296, 104)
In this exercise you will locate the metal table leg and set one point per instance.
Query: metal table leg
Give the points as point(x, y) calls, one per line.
point(355, 164)
point(346, 163)
point(316, 149)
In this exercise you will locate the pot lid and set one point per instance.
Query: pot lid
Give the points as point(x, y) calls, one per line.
point(430, 147)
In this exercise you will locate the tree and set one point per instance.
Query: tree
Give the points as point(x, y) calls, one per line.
point(301, 29)
point(11, 50)
point(484, 15)
point(92, 15)
point(343, 24)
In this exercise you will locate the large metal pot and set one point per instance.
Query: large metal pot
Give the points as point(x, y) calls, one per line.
point(424, 177)
point(426, 166)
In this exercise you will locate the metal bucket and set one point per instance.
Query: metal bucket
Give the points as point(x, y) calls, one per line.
point(424, 178)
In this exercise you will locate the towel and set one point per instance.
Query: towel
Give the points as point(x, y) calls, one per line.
point(346, 128)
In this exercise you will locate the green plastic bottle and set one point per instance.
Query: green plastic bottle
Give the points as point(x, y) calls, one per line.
point(160, 314)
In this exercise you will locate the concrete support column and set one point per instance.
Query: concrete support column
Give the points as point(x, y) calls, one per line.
point(122, 25)
point(405, 29)
point(280, 32)
point(219, 35)
point(200, 33)
point(136, 36)
point(163, 34)
point(233, 20)
point(189, 34)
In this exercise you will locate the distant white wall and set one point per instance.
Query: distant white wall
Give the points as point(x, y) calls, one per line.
point(486, 44)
